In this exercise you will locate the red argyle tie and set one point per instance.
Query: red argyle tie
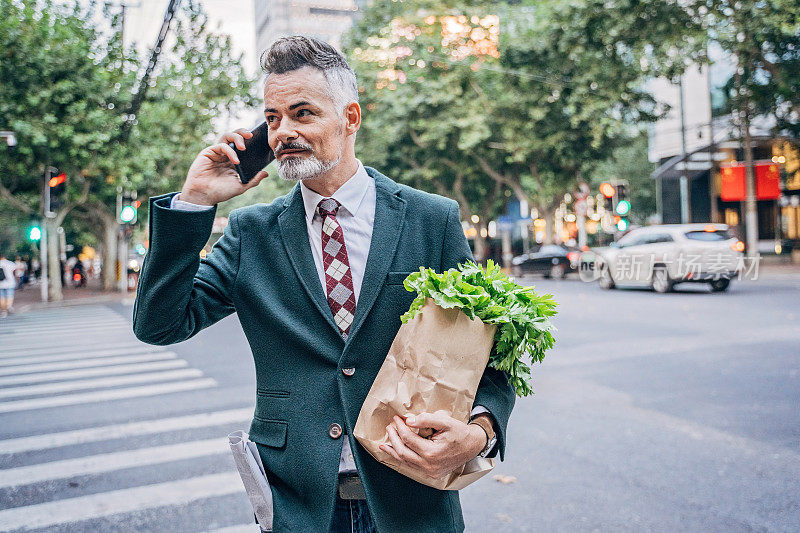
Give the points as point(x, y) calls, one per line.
point(338, 277)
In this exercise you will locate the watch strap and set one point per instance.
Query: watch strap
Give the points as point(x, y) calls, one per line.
point(486, 425)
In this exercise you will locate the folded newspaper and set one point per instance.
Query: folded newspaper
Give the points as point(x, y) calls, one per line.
point(248, 462)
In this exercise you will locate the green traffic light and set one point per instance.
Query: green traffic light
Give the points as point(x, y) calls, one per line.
point(622, 224)
point(35, 234)
point(127, 214)
point(623, 207)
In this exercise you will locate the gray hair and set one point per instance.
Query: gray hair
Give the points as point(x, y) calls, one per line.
point(295, 52)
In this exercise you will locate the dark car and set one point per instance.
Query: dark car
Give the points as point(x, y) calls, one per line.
point(550, 260)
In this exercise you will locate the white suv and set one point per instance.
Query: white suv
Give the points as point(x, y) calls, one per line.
point(661, 256)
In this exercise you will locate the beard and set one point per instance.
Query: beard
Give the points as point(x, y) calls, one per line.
point(296, 168)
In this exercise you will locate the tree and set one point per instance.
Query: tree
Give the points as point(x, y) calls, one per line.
point(66, 89)
point(474, 99)
point(55, 94)
point(422, 115)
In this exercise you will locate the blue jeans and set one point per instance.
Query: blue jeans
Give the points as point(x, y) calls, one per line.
point(352, 516)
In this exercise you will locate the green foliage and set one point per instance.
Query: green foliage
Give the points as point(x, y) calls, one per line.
point(522, 316)
point(530, 113)
point(764, 38)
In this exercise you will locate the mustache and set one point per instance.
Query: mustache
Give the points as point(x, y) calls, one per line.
point(292, 146)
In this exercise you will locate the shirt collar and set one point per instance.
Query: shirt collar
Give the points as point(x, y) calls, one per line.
point(349, 195)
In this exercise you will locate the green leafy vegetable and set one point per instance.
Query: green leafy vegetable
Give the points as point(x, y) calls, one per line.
point(521, 315)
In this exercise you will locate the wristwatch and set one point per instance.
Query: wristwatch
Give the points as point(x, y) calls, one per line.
point(486, 425)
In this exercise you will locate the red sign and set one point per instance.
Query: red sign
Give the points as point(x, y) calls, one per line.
point(733, 181)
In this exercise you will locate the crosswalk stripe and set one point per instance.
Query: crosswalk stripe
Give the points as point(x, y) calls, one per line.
point(109, 462)
point(67, 322)
point(96, 383)
point(102, 322)
point(101, 361)
point(108, 344)
point(57, 340)
point(62, 375)
point(241, 528)
point(13, 321)
point(101, 396)
point(119, 431)
point(12, 361)
point(104, 504)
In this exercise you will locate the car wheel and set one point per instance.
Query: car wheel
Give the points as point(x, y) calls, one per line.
point(660, 281)
point(720, 285)
point(557, 271)
point(606, 281)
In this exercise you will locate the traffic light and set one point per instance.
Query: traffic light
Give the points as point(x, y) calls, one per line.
point(56, 186)
point(607, 190)
point(130, 208)
point(35, 233)
point(623, 206)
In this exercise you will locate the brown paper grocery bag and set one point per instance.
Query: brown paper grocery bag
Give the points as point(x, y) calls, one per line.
point(435, 363)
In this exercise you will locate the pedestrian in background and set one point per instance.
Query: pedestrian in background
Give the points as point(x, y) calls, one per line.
point(21, 272)
point(36, 268)
point(8, 283)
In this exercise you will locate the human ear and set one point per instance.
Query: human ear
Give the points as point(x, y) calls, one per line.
point(352, 116)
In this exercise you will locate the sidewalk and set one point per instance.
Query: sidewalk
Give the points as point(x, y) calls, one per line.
point(778, 266)
point(30, 297)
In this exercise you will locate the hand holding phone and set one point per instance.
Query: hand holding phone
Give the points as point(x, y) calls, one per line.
point(256, 155)
point(228, 168)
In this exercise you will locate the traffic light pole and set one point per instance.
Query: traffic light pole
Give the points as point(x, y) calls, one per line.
point(43, 262)
point(44, 241)
point(122, 248)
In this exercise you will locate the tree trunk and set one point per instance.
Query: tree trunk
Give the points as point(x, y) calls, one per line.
point(481, 248)
point(507, 253)
point(548, 215)
point(750, 205)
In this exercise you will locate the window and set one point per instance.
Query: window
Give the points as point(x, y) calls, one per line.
point(551, 249)
point(632, 239)
point(709, 236)
point(659, 237)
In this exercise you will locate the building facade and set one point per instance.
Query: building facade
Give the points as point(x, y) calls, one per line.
point(325, 20)
point(699, 139)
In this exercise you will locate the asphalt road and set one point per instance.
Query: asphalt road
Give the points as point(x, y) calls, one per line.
point(676, 412)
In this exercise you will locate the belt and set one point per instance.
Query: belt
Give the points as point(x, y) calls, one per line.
point(350, 487)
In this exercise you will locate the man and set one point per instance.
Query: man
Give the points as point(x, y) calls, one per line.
point(316, 279)
point(8, 282)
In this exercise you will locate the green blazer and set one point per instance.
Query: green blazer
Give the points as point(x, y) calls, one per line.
point(262, 269)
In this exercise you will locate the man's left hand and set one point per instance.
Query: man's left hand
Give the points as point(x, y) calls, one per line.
point(452, 444)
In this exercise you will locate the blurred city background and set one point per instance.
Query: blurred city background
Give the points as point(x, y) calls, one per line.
point(639, 160)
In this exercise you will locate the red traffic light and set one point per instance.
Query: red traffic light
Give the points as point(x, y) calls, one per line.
point(607, 189)
point(55, 181)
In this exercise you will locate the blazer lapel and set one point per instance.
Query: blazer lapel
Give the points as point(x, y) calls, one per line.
point(292, 222)
point(390, 211)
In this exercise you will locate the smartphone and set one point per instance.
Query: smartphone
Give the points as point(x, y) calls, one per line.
point(256, 154)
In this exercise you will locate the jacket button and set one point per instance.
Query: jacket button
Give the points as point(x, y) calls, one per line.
point(348, 371)
point(335, 431)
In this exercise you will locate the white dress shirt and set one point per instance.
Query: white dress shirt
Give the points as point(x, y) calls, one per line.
point(356, 216)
